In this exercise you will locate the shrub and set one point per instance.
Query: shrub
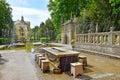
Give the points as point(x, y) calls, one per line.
point(58, 38)
point(44, 39)
point(4, 40)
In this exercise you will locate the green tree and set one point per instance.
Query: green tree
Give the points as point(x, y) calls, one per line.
point(45, 30)
point(99, 12)
point(104, 13)
point(51, 31)
point(6, 22)
point(115, 4)
point(63, 10)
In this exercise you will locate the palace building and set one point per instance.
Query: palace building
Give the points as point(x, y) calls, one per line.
point(21, 30)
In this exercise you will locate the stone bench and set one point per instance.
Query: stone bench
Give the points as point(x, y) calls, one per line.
point(37, 58)
point(40, 61)
point(36, 54)
point(45, 65)
point(84, 60)
point(76, 69)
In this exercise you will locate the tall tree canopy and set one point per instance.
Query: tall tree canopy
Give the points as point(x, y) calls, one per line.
point(63, 10)
point(6, 22)
point(44, 30)
point(104, 13)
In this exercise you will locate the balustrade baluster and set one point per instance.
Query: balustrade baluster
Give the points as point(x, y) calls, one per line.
point(85, 39)
point(118, 38)
point(104, 39)
point(97, 39)
point(100, 38)
point(79, 39)
point(109, 38)
point(93, 38)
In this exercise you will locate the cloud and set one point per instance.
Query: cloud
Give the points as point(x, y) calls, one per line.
point(35, 16)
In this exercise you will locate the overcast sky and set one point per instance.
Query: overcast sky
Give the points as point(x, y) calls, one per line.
point(34, 11)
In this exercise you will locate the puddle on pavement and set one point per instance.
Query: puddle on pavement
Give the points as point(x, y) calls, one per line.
point(96, 76)
point(99, 60)
point(118, 65)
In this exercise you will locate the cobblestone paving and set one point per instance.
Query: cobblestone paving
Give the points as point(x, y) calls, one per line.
point(19, 65)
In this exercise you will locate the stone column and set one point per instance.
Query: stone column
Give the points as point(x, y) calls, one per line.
point(89, 37)
point(62, 34)
point(75, 24)
point(70, 32)
point(96, 28)
point(119, 39)
point(111, 36)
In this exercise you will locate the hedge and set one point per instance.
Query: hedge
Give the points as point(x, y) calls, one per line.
point(4, 40)
point(44, 39)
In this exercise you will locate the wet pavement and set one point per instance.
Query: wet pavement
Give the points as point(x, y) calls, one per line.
point(20, 65)
point(16, 65)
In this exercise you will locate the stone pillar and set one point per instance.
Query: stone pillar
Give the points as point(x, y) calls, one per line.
point(75, 24)
point(89, 37)
point(69, 26)
point(111, 36)
point(63, 34)
point(102, 39)
point(96, 27)
point(119, 39)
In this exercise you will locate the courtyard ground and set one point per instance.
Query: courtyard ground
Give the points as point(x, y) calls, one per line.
point(20, 65)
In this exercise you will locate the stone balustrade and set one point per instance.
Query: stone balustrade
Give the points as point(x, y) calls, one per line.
point(105, 42)
point(104, 38)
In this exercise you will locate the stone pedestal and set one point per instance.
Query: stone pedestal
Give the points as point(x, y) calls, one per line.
point(76, 69)
point(45, 65)
point(36, 54)
point(84, 60)
point(40, 61)
point(37, 58)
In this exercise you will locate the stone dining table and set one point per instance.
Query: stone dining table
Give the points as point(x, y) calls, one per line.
point(61, 56)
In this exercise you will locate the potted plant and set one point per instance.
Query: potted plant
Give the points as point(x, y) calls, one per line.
point(72, 43)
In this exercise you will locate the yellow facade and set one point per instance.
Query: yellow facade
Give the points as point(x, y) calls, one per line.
point(22, 30)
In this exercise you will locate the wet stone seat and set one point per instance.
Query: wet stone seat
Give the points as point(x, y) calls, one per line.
point(37, 58)
point(36, 54)
point(76, 69)
point(40, 59)
point(84, 60)
point(45, 65)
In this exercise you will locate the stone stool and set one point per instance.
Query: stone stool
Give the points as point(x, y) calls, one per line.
point(76, 69)
point(84, 60)
point(37, 58)
point(36, 55)
point(45, 65)
point(40, 60)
